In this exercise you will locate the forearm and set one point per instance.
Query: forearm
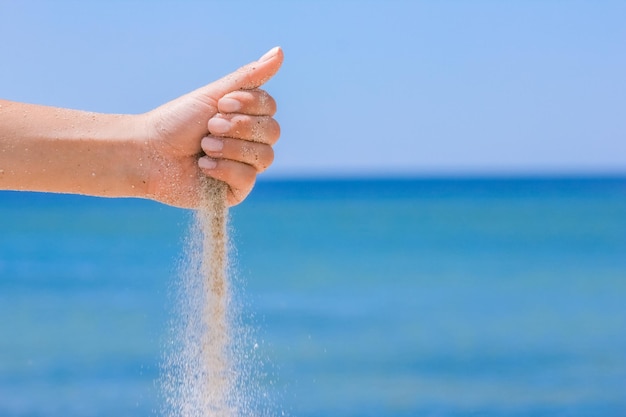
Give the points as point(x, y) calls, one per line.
point(69, 151)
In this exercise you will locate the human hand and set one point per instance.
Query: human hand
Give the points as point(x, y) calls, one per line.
point(223, 130)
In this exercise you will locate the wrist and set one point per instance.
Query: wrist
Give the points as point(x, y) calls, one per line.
point(133, 156)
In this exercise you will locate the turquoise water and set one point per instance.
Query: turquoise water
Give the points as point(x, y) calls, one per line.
point(372, 298)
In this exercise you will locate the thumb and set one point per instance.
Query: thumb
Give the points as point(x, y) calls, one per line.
point(249, 76)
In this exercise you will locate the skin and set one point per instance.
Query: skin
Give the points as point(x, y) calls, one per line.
point(223, 130)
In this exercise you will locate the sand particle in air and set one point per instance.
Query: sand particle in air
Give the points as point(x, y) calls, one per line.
point(211, 367)
point(198, 379)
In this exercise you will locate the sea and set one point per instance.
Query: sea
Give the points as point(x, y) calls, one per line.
point(395, 297)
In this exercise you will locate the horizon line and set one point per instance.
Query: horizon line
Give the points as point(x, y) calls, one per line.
point(444, 176)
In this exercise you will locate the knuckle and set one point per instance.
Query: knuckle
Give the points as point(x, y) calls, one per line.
point(275, 131)
point(267, 158)
point(271, 105)
point(261, 102)
point(250, 177)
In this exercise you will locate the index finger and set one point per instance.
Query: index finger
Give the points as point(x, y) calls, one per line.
point(252, 102)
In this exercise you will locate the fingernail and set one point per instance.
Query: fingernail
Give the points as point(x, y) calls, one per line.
point(212, 145)
point(218, 125)
point(269, 54)
point(229, 105)
point(207, 163)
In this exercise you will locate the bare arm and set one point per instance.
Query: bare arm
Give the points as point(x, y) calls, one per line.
point(224, 130)
point(70, 151)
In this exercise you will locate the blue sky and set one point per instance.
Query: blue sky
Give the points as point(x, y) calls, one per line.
point(367, 88)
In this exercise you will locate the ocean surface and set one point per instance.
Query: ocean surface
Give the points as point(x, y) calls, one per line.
point(386, 298)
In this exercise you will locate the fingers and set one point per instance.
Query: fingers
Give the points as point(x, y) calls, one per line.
point(248, 77)
point(239, 146)
point(258, 155)
point(262, 129)
point(252, 102)
point(240, 177)
point(238, 149)
point(235, 162)
point(241, 134)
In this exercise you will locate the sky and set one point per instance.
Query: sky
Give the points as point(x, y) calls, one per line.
point(368, 88)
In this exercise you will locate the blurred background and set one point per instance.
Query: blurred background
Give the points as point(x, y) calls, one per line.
point(442, 233)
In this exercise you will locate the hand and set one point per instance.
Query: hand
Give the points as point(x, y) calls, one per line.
point(224, 130)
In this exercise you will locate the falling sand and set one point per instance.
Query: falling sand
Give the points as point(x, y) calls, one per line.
point(212, 218)
point(209, 368)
